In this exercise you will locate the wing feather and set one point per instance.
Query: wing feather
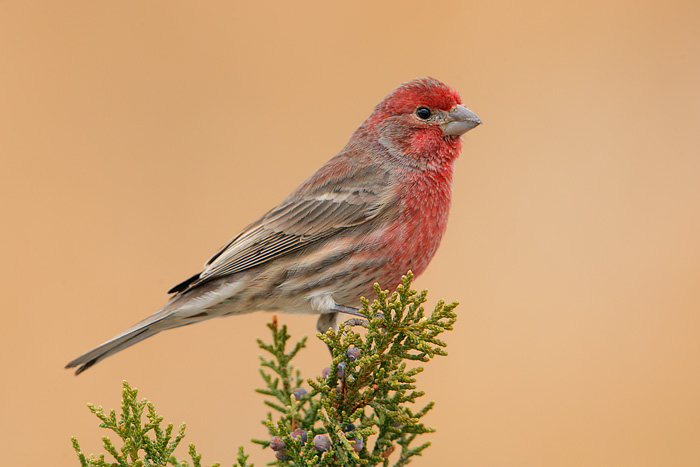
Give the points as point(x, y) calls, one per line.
point(304, 218)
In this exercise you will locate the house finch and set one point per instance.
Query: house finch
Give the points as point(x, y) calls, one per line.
point(374, 211)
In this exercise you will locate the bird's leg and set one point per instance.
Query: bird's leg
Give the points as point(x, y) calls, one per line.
point(348, 309)
point(361, 319)
point(325, 322)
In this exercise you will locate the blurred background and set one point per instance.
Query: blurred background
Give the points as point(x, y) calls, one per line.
point(137, 138)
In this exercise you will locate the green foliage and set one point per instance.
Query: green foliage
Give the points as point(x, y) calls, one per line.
point(372, 392)
point(144, 444)
point(363, 405)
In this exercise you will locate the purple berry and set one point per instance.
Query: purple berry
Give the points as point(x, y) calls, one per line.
point(354, 353)
point(358, 444)
point(276, 443)
point(283, 455)
point(299, 393)
point(341, 370)
point(325, 372)
point(322, 443)
point(301, 434)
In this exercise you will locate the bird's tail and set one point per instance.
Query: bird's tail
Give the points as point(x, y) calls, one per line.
point(145, 328)
point(206, 301)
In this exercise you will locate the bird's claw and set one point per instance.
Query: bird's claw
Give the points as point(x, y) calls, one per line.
point(364, 322)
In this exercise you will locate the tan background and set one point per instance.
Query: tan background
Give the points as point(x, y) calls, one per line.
point(136, 138)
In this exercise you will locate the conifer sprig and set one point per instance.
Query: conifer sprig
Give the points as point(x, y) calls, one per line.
point(362, 402)
point(144, 444)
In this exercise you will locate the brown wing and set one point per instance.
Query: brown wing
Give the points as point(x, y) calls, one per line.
point(307, 216)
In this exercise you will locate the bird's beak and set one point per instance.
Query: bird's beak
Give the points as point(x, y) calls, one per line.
point(459, 120)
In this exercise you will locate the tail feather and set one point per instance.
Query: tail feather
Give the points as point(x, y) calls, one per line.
point(189, 307)
point(131, 336)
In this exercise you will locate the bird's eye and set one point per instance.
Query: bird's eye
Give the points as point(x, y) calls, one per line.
point(423, 112)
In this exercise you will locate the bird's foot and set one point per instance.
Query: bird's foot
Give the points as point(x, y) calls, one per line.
point(360, 320)
point(364, 322)
point(357, 322)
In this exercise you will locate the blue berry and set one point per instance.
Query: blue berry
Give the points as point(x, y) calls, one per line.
point(301, 434)
point(276, 443)
point(282, 455)
point(350, 427)
point(341, 370)
point(358, 444)
point(322, 443)
point(325, 372)
point(299, 393)
point(354, 353)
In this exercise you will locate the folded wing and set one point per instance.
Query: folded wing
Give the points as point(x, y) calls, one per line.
point(301, 220)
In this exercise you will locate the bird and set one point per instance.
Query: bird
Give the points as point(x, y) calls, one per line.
point(374, 211)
